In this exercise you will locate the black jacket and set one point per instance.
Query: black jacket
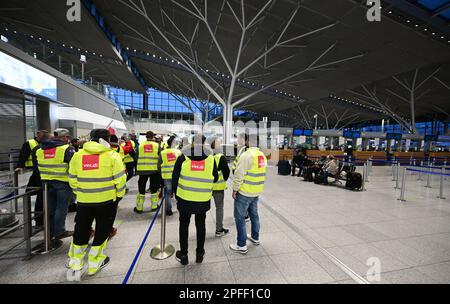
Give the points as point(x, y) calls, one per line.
point(185, 206)
point(25, 152)
point(224, 168)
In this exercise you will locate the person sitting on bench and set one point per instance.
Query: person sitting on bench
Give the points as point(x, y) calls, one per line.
point(330, 168)
point(298, 162)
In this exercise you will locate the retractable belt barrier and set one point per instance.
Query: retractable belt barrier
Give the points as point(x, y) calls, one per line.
point(442, 174)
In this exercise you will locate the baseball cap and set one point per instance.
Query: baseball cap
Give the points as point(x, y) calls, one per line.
point(61, 132)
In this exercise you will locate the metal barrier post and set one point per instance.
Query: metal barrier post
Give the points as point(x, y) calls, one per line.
point(397, 179)
point(420, 173)
point(428, 178)
point(410, 160)
point(414, 164)
point(434, 160)
point(366, 175)
point(445, 162)
point(162, 251)
point(441, 186)
point(402, 192)
point(27, 224)
point(49, 245)
point(16, 190)
point(363, 186)
point(11, 163)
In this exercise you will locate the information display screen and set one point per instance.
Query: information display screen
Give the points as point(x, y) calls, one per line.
point(20, 75)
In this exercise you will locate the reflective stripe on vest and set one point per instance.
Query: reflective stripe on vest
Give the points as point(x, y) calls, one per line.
point(33, 144)
point(51, 163)
point(95, 176)
point(221, 183)
point(148, 156)
point(128, 158)
point(196, 180)
point(254, 179)
point(168, 160)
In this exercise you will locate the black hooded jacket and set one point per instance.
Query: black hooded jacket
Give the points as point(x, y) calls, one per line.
point(185, 206)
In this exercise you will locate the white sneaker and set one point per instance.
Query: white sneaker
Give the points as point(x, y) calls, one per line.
point(236, 248)
point(256, 242)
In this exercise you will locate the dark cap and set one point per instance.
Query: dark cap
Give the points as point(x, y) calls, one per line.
point(96, 134)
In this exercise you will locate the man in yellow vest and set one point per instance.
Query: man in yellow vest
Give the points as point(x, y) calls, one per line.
point(193, 179)
point(221, 185)
point(97, 176)
point(147, 168)
point(248, 183)
point(52, 160)
point(166, 164)
point(26, 161)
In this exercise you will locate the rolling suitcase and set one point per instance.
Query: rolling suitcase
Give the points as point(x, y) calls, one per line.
point(354, 181)
point(284, 167)
point(308, 174)
point(318, 178)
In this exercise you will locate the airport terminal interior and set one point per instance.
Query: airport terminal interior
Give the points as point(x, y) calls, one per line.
point(331, 116)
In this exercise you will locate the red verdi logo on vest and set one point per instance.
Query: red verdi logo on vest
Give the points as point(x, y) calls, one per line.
point(261, 162)
point(90, 162)
point(198, 165)
point(171, 157)
point(50, 153)
point(148, 148)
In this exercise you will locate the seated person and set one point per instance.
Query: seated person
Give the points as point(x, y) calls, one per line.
point(330, 168)
point(298, 162)
point(318, 164)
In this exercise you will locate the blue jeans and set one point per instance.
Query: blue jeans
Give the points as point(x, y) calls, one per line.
point(242, 206)
point(167, 193)
point(325, 177)
point(59, 194)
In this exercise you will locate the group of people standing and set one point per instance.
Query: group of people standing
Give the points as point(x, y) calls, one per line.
point(96, 173)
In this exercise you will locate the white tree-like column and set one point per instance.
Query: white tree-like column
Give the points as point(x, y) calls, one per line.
point(237, 68)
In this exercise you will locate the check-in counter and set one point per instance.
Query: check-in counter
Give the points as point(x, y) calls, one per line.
point(318, 153)
point(440, 155)
point(365, 155)
point(409, 155)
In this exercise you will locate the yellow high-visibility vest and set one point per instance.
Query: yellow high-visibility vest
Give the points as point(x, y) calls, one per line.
point(196, 180)
point(168, 157)
point(121, 152)
point(33, 144)
point(97, 178)
point(148, 156)
point(255, 177)
point(128, 158)
point(221, 183)
point(236, 159)
point(51, 164)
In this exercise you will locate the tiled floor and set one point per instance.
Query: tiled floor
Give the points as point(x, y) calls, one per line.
point(309, 234)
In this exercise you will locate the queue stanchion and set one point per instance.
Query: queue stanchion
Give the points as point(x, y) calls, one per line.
point(49, 244)
point(441, 184)
point(162, 251)
point(366, 175)
point(414, 164)
point(434, 161)
point(428, 185)
point(420, 173)
point(397, 179)
point(410, 160)
point(402, 191)
point(363, 185)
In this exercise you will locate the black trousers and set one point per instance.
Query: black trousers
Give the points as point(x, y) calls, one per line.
point(130, 170)
point(185, 219)
point(155, 182)
point(104, 215)
point(35, 181)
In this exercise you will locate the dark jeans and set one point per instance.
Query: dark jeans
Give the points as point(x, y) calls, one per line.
point(35, 181)
point(185, 219)
point(155, 182)
point(325, 177)
point(59, 194)
point(130, 170)
point(104, 215)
